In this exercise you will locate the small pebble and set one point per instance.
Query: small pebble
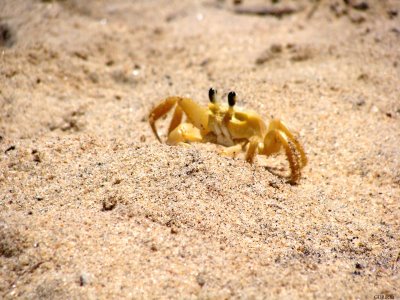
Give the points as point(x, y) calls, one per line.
point(109, 203)
point(84, 279)
point(200, 279)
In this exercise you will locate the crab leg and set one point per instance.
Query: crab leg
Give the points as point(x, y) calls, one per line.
point(160, 110)
point(184, 133)
point(196, 114)
point(233, 150)
point(252, 150)
point(272, 144)
point(176, 119)
point(279, 125)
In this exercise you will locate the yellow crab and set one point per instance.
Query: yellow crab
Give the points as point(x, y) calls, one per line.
point(229, 126)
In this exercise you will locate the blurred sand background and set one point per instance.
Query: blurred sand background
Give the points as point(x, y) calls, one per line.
point(93, 207)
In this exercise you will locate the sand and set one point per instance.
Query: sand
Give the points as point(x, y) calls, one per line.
point(93, 207)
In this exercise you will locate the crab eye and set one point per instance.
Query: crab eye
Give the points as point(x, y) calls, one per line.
point(212, 94)
point(232, 98)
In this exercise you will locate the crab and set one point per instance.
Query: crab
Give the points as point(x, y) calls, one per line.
point(230, 126)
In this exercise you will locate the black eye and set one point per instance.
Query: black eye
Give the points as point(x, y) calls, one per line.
point(212, 94)
point(232, 98)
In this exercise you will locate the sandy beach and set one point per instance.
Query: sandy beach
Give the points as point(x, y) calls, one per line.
point(92, 206)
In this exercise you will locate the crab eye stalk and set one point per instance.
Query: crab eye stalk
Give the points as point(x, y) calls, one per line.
point(232, 99)
point(212, 95)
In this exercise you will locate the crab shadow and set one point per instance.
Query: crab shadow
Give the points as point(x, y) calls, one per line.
point(280, 173)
